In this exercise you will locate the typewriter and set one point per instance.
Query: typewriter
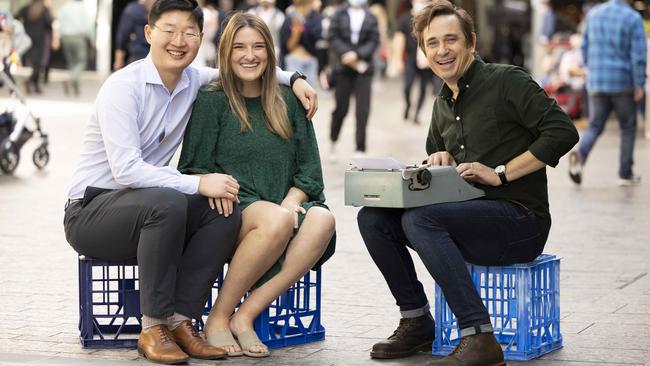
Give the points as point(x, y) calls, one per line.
point(386, 182)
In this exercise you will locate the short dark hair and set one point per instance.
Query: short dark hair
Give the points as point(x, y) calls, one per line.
point(438, 8)
point(162, 6)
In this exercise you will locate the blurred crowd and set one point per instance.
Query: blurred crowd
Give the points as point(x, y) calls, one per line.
point(563, 70)
point(31, 35)
point(302, 35)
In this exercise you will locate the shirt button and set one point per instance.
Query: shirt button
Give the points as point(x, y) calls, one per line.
point(462, 147)
point(467, 86)
point(457, 118)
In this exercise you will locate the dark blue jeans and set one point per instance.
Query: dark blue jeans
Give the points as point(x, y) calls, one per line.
point(600, 106)
point(445, 236)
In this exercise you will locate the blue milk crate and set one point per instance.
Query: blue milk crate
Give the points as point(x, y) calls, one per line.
point(109, 303)
point(293, 318)
point(524, 305)
point(109, 308)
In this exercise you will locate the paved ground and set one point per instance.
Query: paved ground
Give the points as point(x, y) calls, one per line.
point(601, 232)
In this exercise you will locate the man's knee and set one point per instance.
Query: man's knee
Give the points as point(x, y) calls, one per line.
point(167, 204)
point(417, 219)
point(369, 218)
point(377, 224)
point(233, 224)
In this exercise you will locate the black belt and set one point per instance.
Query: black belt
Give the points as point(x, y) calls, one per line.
point(71, 202)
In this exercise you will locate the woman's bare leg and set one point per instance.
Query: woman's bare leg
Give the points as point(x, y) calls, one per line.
point(303, 252)
point(266, 230)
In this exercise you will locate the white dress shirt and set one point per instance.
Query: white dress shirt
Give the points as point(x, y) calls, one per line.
point(357, 15)
point(137, 126)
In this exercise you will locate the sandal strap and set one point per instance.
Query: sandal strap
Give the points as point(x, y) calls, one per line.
point(221, 338)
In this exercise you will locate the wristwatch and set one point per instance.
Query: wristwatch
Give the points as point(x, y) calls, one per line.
point(501, 172)
point(296, 75)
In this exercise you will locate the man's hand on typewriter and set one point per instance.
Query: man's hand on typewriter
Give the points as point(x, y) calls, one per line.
point(441, 158)
point(478, 173)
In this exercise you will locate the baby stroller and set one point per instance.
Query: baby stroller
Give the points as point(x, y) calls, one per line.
point(14, 132)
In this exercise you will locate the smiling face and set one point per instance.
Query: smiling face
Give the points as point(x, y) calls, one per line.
point(249, 59)
point(175, 39)
point(448, 52)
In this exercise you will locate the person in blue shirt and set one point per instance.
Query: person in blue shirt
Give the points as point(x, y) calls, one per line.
point(125, 201)
point(130, 42)
point(614, 51)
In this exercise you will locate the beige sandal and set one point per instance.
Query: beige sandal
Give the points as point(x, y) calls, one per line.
point(223, 338)
point(248, 339)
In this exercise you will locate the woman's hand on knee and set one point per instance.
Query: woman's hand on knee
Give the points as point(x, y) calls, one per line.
point(295, 209)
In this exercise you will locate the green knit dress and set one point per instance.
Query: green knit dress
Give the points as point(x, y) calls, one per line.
point(265, 165)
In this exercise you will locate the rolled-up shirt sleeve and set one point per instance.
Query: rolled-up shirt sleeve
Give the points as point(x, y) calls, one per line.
point(554, 131)
point(117, 117)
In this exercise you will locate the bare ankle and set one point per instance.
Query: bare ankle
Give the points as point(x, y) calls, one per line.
point(240, 323)
point(217, 323)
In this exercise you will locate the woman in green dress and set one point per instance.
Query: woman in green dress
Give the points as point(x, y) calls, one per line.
point(247, 126)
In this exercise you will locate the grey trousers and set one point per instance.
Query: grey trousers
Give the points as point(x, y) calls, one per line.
point(180, 243)
point(75, 50)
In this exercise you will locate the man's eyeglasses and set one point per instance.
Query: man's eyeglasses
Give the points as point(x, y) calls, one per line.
point(170, 34)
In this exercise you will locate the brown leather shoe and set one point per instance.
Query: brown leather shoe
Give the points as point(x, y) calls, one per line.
point(156, 344)
point(188, 338)
point(476, 350)
point(411, 336)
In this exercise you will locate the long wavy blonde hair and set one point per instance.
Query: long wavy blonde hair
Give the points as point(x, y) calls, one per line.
point(273, 105)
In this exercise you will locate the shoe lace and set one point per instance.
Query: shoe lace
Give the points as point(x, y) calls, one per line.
point(464, 341)
point(165, 336)
point(192, 330)
point(402, 329)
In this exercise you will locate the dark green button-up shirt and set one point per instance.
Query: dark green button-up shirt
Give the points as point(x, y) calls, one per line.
point(499, 113)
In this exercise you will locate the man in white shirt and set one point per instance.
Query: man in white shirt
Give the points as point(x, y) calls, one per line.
point(125, 202)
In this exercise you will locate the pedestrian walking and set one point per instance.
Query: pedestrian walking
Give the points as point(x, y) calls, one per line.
point(37, 20)
point(273, 17)
point(130, 41)
point(410, 60)
point(301, 30)
point(77, 33)
point(614, 51)
point(354, 38)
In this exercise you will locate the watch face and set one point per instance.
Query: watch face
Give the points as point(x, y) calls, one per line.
point(501, 169)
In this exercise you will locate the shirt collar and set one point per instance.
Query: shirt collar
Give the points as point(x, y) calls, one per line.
point(466, 80)
point(153, 77)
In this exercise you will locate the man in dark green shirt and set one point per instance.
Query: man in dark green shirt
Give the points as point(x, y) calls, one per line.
point(500, 130)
